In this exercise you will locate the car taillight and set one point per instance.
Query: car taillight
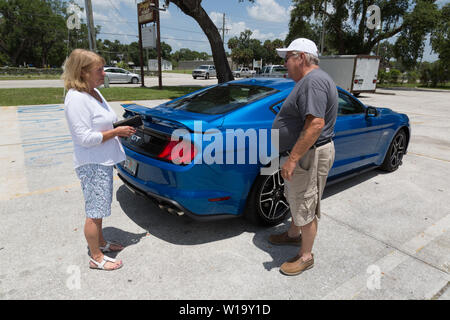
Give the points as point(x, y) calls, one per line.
point(374, 80)
point(179, 152)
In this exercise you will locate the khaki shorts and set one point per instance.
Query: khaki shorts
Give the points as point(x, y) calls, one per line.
point(305, 189)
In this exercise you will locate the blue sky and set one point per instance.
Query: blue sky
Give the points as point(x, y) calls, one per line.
point(267, 19)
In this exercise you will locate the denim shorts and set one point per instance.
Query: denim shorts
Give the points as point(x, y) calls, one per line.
point(97, 185)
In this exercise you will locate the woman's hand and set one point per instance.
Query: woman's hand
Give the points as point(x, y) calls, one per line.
point(125, 131)
point(122, 131)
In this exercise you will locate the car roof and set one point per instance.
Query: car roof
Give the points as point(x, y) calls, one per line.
point(276, 83)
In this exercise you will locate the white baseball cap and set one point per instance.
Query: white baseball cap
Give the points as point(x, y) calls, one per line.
point(300, 44)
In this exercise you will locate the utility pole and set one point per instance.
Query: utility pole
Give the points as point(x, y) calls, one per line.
point(90, 25)
point(322, 40)
point(158, 45)
point(141, 58)
point(223, 29)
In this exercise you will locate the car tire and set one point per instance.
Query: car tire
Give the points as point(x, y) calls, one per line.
point(394, 155)
point(134, 80)
point(194, 77)
point(207, 76)
point(266, 204)
point(238, 75)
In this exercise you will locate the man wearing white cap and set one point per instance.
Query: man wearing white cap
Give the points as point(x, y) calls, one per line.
point(306, 125)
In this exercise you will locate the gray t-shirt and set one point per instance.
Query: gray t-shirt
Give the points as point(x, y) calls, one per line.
point(316, 95)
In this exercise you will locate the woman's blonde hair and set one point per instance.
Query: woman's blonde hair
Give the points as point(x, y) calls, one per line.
point(77, 67)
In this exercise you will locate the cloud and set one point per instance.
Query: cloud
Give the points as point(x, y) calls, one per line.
point(269, 10)
point(235, 28)
point(165, 15)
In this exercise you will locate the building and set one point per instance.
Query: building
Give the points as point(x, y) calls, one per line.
point(153, 65)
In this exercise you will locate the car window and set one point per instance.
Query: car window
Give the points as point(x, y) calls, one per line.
point(203, 67)
point(110, 70)
point(279, 69)
point(348, 106)
point(221, 99)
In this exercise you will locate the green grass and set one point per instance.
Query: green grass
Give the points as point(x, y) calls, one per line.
point(411, 85)
point(179, 71)
point(35, 96)
point(31, 77)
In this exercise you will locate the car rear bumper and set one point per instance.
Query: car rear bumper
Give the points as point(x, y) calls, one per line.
point(167, 204)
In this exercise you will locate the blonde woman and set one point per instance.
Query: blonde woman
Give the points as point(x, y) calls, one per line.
point(96, 148)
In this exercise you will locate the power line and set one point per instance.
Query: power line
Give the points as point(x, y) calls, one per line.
point(167, 38)
point(184, 39)
point(119, 34)
point(118, 12)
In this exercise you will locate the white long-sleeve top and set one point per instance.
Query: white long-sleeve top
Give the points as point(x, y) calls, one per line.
point(87, 119)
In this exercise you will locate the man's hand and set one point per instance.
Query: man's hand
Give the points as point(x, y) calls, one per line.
point(288, 169)
point(309, 135)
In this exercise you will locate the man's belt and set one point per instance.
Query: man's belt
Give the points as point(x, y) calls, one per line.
point(315, 145)
point(321, 143)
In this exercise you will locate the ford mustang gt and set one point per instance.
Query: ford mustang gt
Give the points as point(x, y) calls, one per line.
point(211, 154)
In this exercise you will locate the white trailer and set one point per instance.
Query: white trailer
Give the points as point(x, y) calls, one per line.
point(354, 73)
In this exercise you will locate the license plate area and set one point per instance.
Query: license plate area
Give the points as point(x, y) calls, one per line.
point(130, 166)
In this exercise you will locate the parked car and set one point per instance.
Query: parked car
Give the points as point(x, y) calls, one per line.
point(244, 72)
point(115, 74)
point(273, 71)
point(205, 71)
point(366, 137)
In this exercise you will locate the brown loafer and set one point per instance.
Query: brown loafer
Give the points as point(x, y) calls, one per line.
point(296, 265)
point(284, 239)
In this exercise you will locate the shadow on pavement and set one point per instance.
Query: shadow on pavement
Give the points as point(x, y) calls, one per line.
point(178, 230)
point(186, 231)
point(280, 254)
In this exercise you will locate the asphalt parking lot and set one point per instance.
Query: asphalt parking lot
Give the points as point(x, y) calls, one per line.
point(381, 236)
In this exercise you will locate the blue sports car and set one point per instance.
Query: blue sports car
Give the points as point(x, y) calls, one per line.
point(211, 154)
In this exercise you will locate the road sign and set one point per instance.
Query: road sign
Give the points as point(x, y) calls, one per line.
point(145, 11)
point(149, 37)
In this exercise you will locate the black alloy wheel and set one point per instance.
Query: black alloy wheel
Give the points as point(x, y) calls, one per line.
point(267, 204)
point(395, 152)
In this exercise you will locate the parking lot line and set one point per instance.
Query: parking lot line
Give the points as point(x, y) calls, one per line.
point(353, 287)
point(425, 156)
point(48, 190)
point(12, 161)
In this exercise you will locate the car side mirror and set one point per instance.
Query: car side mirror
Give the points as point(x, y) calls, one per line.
point(371, 112)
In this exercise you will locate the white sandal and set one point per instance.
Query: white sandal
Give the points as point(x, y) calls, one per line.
point(107, 248)
point(101, 265)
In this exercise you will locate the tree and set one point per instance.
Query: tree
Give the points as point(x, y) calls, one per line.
point(185, 54)
point(194, 9)
point(394, 75)
point(386, 53)
point(165, 52)
point(241, 51)
point(346, 30)
point(440, 39)
point(244, 49)
point(270, 54)
point(30, 29)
